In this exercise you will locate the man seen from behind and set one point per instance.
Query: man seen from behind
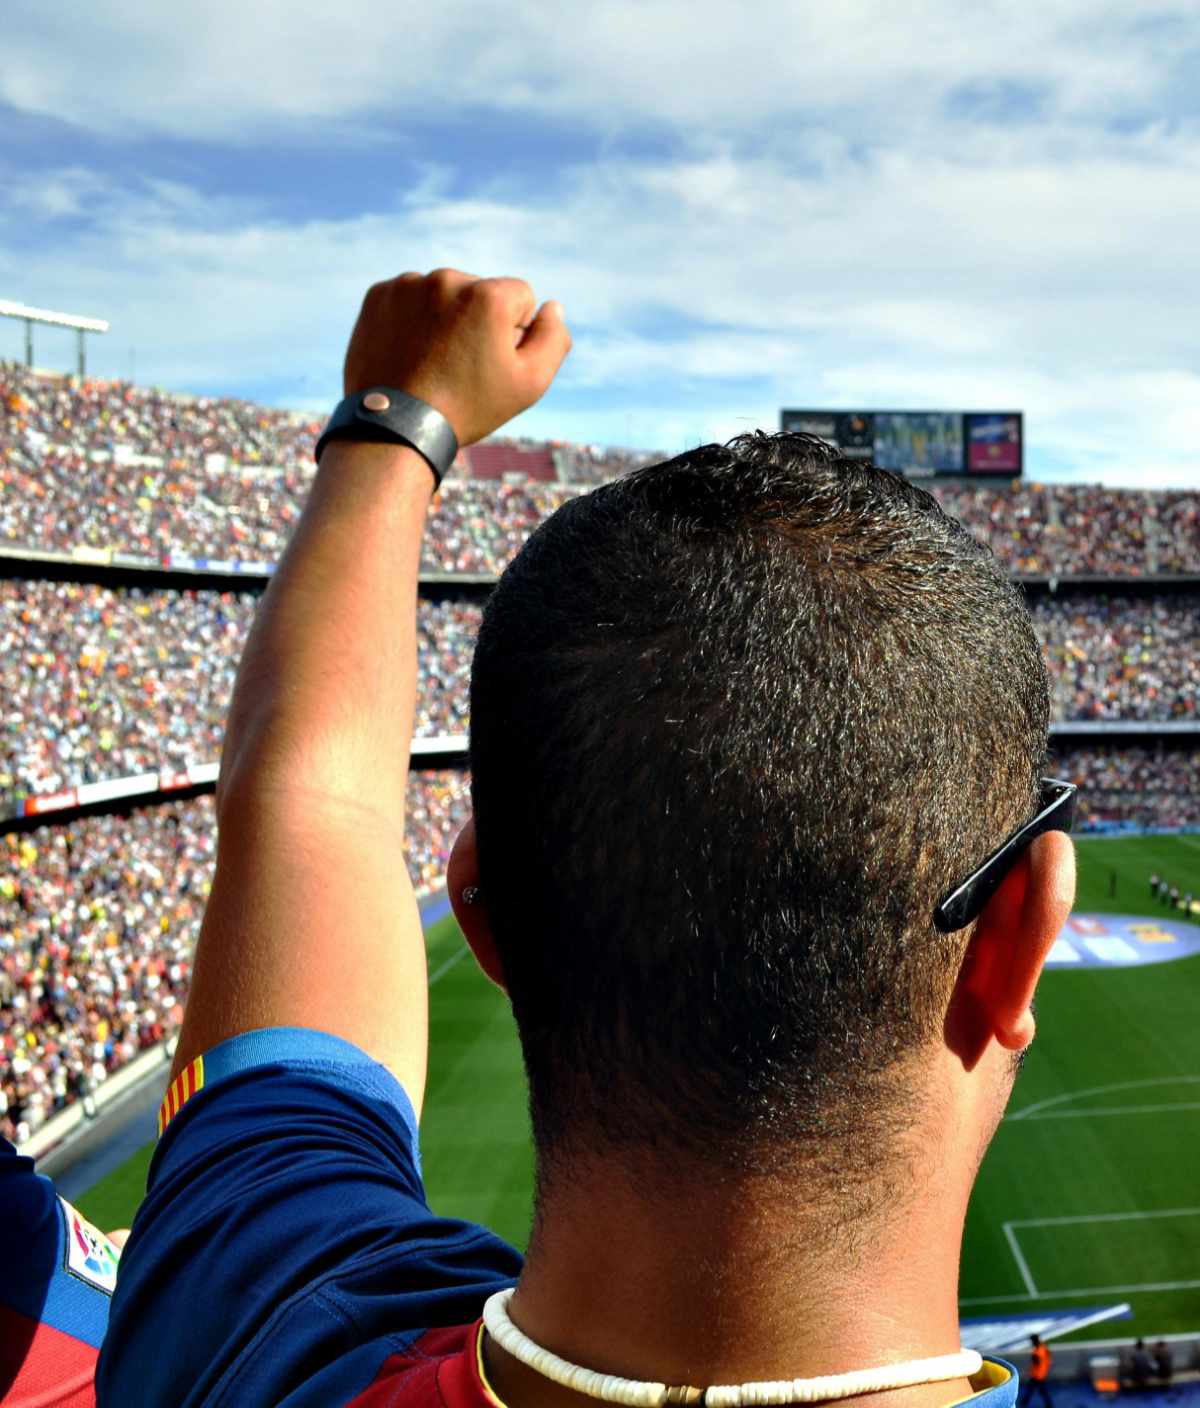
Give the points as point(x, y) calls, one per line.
point(742, 726)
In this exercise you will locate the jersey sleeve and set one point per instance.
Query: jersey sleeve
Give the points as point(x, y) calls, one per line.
point(284, 1228)
point(56, 1278)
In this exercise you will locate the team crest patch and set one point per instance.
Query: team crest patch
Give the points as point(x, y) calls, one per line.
point(89, 1253)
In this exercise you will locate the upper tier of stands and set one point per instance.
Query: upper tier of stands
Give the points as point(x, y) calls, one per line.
point(108, 465)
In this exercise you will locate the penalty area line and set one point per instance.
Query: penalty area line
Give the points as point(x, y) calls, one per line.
point(1022, 1265)
point(1102, 1217)
point(1028, 1111)
point(1085, 1291)
point(1109, 1110)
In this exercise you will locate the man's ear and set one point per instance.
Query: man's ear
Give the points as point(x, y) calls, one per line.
point(462, 879)
point(993, 996)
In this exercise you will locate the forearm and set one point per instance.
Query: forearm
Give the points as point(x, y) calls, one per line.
point(326, 689)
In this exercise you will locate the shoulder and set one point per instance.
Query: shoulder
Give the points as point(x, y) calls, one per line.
point(443, 1369)
point(285, 1203)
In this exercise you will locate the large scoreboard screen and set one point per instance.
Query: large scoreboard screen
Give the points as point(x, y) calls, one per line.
point(921, 443)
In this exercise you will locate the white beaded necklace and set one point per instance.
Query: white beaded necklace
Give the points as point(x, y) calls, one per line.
point(635, 1394)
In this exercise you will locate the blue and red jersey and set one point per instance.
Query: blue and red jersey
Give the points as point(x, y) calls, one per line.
point(285, 1255)
point(57, 1275)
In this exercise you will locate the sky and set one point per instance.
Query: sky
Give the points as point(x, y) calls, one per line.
point(868, 204)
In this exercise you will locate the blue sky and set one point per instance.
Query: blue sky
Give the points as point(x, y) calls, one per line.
point(891, 203)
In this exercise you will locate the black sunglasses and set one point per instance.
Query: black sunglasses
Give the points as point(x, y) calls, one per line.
point(1056, 812)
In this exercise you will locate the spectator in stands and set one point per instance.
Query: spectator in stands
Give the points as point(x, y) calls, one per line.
point(767, 1048)
point(1164, 1363)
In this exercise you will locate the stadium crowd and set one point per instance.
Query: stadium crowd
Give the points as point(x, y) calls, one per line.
point(103, 682)
point(1120, 657)
point(223, 479)
point(1080, 529)
point(100, 682)
point(91, 414)
point(478, 527)
point(98, 919)
point(1132, 784)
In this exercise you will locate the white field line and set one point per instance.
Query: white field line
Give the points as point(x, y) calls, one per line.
point(1087, 1291)
point(456, 957)
point(1022, 1265)
point(1112, 1110)
point(1030, 1110)
point(1102, 1217)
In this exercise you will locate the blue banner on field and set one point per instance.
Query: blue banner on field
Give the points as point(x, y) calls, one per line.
point(1122, 941)
point(994, 1334)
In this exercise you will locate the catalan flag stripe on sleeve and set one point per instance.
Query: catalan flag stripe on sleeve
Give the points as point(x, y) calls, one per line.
point(180, 1091)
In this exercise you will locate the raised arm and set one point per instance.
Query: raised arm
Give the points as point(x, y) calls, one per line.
point(312, 921)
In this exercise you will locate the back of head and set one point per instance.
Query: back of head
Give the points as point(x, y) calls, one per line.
point(739, 721)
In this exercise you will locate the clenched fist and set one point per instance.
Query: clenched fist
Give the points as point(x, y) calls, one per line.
point(479, 350)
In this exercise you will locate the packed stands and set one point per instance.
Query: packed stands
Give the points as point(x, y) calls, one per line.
point(1120, 657)
point(1133, 784)
point(98, 916)
point(98, 919)
point(479, 527)
point(100, 682)
point(108, 465)
point(92, 415)
point(97, 924)
point(1063, 530)
point(103, 682)
point(59, 499)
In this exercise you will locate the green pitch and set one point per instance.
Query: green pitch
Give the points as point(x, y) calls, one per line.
point(1097, 1187)
point(1069, 1203)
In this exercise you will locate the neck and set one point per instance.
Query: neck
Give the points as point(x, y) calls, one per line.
point(716, 1283)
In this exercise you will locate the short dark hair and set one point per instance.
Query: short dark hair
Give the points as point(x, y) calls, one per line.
point(738, 722)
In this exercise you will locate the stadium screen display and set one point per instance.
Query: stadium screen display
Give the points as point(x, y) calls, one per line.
point(921, 443)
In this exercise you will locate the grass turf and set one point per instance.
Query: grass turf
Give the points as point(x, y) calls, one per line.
point(1097, 1028)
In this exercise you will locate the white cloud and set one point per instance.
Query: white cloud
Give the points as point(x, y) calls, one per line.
point(833, 232)
point(227, 69)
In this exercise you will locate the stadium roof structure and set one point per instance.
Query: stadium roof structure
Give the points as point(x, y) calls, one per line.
point(29, 316)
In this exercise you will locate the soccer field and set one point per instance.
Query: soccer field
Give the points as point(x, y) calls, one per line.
point(1088, 1196)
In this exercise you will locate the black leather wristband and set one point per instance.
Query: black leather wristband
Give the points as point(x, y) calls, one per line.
point(387, 416)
